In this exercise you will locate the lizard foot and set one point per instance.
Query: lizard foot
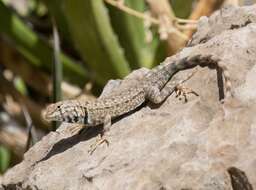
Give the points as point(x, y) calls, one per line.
point(100, 139)
point(182, 91)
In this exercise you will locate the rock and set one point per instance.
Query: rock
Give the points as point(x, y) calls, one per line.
point(177, 145)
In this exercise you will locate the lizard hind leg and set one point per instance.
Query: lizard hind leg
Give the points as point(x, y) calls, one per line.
point(101, 137)
point(157, 96)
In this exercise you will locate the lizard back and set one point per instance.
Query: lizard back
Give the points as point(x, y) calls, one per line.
point(116, 105)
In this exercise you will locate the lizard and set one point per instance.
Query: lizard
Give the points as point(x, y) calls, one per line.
point(155, 86)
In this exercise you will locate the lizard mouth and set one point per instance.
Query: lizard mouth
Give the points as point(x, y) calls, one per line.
point(49, 113)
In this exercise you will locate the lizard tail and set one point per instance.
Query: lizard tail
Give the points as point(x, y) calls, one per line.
point(206, 60)
point(212, 61)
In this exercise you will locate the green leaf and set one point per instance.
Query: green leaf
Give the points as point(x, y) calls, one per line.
point(56, 9)
point(182, 8)
point(94, 38)
point(131, 34)
point(5, 157)
point(20, 85)
point(37, 51)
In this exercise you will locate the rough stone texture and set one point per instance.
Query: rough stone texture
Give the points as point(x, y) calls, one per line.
point(173, 146)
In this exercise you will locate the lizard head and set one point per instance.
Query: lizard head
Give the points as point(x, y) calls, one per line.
point(70, 111)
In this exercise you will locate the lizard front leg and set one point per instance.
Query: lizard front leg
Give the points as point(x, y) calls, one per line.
point(100, 138)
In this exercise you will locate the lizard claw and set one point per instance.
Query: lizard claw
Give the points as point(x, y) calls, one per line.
point(98, 142)
point(184, 91)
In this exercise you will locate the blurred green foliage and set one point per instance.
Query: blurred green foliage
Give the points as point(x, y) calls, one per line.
point(20, 85)
point(109, 41)
point(4, 159)
point(94, 38)
point(131, 34)
point(182, 8)
point(36, 50)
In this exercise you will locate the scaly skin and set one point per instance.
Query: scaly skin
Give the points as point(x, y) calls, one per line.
point(154, 86)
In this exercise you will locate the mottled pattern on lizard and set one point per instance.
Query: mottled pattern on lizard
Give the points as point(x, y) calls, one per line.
point(155, 87)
